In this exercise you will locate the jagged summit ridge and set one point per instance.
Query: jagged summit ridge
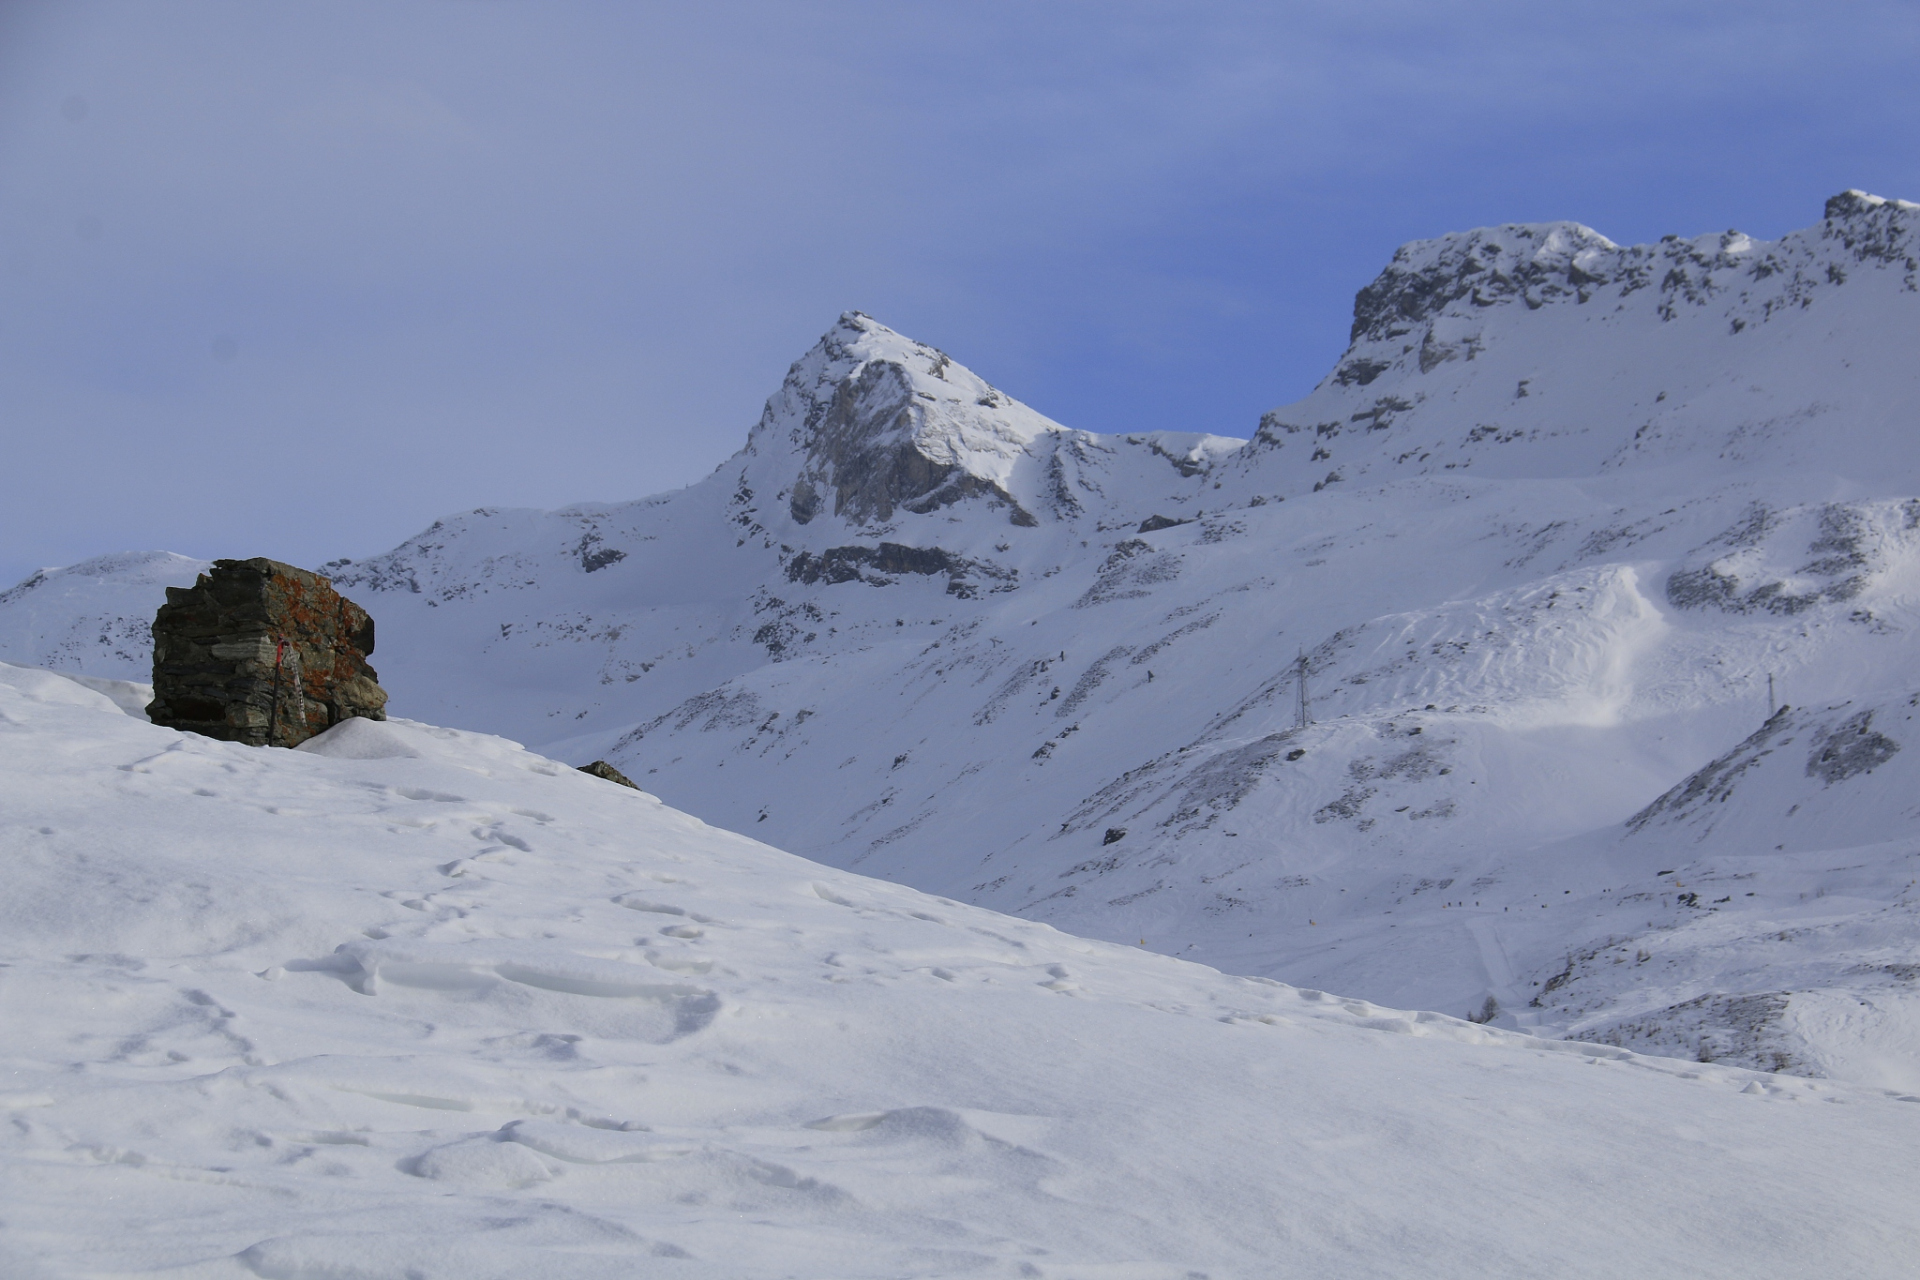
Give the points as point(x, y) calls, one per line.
point(1485, 266)
point(870, 420)
point(1546, 349)
point(1541, 263)
point(1854, 201)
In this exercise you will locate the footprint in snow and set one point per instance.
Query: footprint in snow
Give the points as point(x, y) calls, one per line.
point(483, 1163)
point(592, 1144)
point(632, 903)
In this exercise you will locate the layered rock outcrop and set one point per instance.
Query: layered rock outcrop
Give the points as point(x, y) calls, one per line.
point(262, 653)
point(870, 422)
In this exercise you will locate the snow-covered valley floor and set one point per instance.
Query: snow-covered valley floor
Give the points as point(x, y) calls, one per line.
point(414, 1004)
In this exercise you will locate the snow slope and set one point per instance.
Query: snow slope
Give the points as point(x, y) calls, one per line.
point(94, 617)
point(1544, 539)
point(415, 1002)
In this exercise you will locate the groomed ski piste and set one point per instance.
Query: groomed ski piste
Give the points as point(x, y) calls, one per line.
point(411, 1003)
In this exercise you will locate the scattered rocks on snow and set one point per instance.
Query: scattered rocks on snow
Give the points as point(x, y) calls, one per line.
point(262, 653)
point(1850, 748)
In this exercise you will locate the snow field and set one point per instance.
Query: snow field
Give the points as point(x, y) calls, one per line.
point(417, 1002)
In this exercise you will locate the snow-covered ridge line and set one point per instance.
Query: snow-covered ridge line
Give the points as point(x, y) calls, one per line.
point(1547, 350)
point(1563, 262)
point(94, 616)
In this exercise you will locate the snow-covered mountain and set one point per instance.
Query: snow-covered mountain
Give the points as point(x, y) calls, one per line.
point(410, 1003)
point(94, 617)
point(1563, 528)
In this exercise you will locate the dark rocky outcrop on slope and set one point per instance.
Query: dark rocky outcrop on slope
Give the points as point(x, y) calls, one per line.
point(865, 447)
point(262, 653)
point(882, 423)
point(881, 565)
point(601, 769)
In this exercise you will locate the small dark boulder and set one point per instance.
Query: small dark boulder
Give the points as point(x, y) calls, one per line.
point(262, 653)
point(1114, 835)
point(601, 769)
point(1153, 524)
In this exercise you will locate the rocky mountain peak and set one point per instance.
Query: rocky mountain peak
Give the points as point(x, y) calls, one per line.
point(1853, 202)
point(1484, 266)
point(1459, 280)
point(870, 421)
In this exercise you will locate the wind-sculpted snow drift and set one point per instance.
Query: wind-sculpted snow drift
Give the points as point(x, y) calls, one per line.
point(410, 1003)
point(1544, 543)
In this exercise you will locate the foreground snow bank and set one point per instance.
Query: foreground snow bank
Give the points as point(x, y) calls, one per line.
point(419, 1003)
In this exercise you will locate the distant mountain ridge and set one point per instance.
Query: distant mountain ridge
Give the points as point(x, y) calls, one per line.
point(1540, 542)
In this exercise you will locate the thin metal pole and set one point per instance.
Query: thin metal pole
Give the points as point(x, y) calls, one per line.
point(273, 707)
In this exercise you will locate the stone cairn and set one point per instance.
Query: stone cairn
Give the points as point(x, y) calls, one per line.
point(262, 653)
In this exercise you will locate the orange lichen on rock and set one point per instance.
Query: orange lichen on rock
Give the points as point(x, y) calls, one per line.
point(262, 653)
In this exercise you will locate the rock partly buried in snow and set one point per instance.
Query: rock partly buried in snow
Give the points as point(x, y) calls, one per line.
point(262, 653)
point(601, 769)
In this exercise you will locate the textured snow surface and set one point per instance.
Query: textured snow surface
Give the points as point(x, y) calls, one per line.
point(413, 1003)
point(1545, 538)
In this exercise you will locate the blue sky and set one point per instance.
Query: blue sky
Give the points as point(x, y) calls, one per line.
point(295, 279)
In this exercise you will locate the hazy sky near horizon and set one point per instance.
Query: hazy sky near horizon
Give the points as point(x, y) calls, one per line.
point(296, 279)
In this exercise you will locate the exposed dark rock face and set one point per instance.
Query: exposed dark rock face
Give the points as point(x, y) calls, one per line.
point(1153, 524)
point(1484, 267)
point(1740, 1030)
point(593, 556)
point(865, 456)
point(1850, 748)
point(805, 503)
point(1126, 575)
point(881, 565)
point(1761, 564)
point(843, 564)
point(1556, 263)
point(262, 653)
point(601, 769)
point(866, 451)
